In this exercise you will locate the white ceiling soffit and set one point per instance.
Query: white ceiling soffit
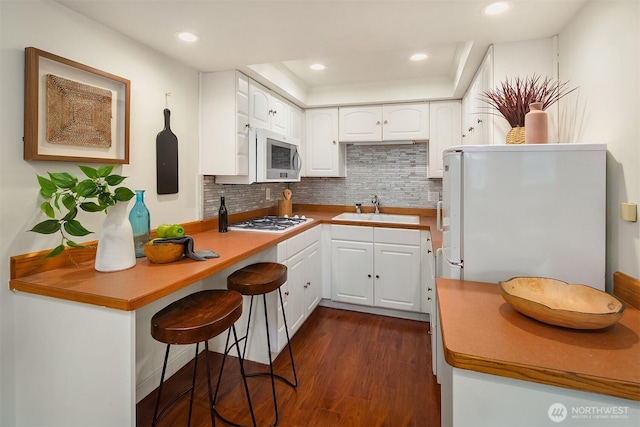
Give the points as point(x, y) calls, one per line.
point(364, 44)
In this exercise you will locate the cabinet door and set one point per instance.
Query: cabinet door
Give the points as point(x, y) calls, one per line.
point(324, 156)
point(279, 111)
point(313, 270)
point(445, 133)
point(352, 272)
point(259, 107)
point(362, 124)
point(295, 125)
point(397, 276)
point(405, 122)
point(296, 284)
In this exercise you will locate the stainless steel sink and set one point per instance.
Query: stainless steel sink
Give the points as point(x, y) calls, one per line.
point(371, 217)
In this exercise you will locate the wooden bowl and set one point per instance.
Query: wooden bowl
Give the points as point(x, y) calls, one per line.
point(558, 303)
point(162, 253)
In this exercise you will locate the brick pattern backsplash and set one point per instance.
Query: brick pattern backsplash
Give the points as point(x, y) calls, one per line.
point(397, 174)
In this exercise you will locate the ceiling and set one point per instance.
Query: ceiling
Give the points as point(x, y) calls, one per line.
point(365, 44)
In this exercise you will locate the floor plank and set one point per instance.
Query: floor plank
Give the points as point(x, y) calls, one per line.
point(354, 369)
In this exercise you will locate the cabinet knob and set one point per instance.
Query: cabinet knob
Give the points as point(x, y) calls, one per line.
point(334, 142)
point(471, 129)
point(286, 293)
point(369, 276)
point(428, 251)
point(479, 120)
point(378, 122)
point(377, 276)
point(247, 125)
point(386, 122)
point(429, 299)
point(428, 289)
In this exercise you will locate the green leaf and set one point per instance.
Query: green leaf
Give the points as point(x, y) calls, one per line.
point(74, 244)
point(56, 201)
point(114, 180)
point(122, 194)
point(47, 209)
point(90, 172)
point(106, 200)
point(71, 215)
point(74, 228)
point(91, 207)
point(55, 252)
point(49, 226)
point(63, 179)
point(47, 187)
point(69, 201)
point(87, 188)
point(105, 171)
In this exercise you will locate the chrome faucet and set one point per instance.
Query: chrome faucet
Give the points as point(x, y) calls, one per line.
point(376, 203)
point(358, 206)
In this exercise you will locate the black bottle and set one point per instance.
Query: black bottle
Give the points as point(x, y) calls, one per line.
point(222, 217)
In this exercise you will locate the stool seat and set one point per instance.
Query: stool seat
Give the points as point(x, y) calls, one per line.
point(197, 317)
point(258, 279)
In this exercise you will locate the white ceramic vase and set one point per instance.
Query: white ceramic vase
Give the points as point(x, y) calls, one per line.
point(116, 250)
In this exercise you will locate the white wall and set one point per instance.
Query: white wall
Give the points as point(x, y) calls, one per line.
point(600, 53)
point(53, 28)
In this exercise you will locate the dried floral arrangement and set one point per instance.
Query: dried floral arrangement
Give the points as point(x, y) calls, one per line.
point(513, 96)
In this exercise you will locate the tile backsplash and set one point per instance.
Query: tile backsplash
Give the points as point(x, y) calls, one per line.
point(397, 174)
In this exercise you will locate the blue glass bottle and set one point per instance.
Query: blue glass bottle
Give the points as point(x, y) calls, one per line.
point(141, 223)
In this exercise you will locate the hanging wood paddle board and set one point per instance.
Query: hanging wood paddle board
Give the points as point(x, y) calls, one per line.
point(167, 158)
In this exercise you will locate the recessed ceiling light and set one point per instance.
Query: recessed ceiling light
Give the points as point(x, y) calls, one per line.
point(187, 37)
point(317, 67)
point(419, 57)
point(496, 8)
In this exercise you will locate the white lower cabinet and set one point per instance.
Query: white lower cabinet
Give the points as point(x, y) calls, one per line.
point(376, 266)
point(303, 290)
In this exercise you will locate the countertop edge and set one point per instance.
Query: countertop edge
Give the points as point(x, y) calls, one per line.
point(564, 379)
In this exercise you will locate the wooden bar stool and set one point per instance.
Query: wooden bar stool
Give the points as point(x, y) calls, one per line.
point(260, 279)
point(195, 318)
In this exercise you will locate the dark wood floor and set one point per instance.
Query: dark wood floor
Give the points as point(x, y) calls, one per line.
point(354, 369)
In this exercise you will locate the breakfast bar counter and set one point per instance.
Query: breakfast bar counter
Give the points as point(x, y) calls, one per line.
point(84, 354)
point(488, 344)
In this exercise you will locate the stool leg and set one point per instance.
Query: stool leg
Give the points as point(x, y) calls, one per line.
point(193, 384)
point(244, 377)
point(246, 334)
point(213, 399)
point(164, 370)
point(286, 330)
point(213, 415)
point(273, 382)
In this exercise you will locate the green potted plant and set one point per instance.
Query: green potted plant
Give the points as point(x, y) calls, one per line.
point(65, 195)
point(513, 97)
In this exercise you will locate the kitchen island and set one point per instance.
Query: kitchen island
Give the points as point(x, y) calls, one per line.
point(83, 349)
point(505, 369)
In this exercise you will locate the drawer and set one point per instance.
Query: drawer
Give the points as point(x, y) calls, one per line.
point(312, 235)
point(397, 236)
point(352, 233)
point(295, 244)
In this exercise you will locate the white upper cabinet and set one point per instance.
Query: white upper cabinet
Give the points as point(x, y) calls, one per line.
point(324, 155)
point(267, 111)
point(224, 123)
point(360, 123)
point(445, 132)
point(296, 130)
point(376, 123)
point(405, 122)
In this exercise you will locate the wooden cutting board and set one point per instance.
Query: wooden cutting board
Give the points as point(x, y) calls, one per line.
point(167, 158)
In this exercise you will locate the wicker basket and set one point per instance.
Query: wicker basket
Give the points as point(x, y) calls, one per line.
point(516, 136)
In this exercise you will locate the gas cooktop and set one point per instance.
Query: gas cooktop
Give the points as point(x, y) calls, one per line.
point(270, 224)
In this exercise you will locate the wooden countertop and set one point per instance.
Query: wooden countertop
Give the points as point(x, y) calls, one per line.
point(482, 333)
point(72, 276)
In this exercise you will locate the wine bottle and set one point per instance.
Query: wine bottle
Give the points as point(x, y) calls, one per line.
point(222, 217)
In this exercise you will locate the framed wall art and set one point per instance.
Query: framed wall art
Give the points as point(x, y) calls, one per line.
point(73, 112)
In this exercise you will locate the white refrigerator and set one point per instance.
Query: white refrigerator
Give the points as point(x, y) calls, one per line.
point(524, 210)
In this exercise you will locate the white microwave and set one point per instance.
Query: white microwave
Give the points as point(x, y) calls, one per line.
point(277, 160)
